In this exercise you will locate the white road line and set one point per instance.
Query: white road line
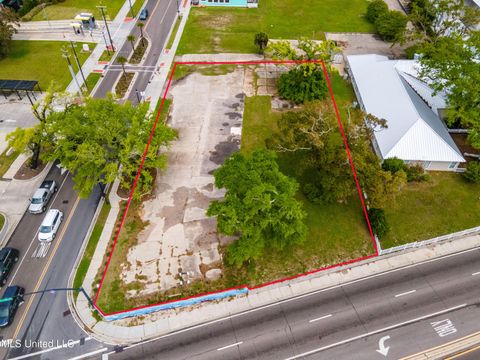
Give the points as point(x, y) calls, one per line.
point(64, 346)
point(314, 351)
point(320, 318)
point(99, 351)
point(35, 236)
point(229, 346)
point(315, 292)
point(476, 273)
point(405, 293)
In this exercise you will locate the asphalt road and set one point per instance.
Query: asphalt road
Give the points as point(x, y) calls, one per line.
point(417, 308)
point(46, 316)
point(161, 19)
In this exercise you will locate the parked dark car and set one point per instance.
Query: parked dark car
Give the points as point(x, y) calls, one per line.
point(143, 14)
point(9, 303)
point(8, 258)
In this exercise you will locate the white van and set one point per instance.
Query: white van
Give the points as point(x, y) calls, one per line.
point(50, 225)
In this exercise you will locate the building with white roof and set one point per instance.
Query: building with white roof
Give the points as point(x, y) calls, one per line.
point(391, 90)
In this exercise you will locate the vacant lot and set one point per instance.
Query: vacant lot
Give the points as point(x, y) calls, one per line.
point(38, 60)
point(70, 8)
point(447, 203)
point(212, 30)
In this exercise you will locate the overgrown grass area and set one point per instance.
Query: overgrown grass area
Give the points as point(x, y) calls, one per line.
point(447, 203)
point(7, 161)
point(91, 246)
point(38, 60)
point(68, 9)
point(214, 30)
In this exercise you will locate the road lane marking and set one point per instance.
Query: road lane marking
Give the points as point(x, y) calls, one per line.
point(229, 346)
point(406, 293)
point(35, 237)
point(295, 298)
point(320, 318)
point(444, 327)
point(464, 353)
point(47, 265)
point(66, 345)
point(99, 351)
point(476, 273)
point(314, 351)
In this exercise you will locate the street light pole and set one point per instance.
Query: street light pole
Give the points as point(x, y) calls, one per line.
point(78, 64)
point(102, 9)
point(65, 55)
point(106, 44)
point(138, 96)
point(131, 9)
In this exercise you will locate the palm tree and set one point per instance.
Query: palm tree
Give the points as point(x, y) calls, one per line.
point(132, 38)
point(140, 26)
point(122, 60)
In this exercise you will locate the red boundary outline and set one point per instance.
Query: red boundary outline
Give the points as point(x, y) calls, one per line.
point(352, 166)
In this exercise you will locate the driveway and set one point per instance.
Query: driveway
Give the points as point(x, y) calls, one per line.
point(181, 244)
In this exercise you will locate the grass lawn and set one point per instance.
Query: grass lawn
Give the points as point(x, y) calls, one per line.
point(7, 161)
point(39, 60)
point(91, 246)
point(92, 80)
point(70, 8)
point(174, 33)
point(447, 203)
point(2, 221)
point(106, 55)
point(213, 30)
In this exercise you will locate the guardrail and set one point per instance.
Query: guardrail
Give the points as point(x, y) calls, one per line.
point(417, 244)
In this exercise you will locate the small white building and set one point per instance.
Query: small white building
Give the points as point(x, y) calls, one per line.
point(391, 90)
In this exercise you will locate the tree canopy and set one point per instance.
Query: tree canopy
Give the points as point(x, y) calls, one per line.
point(101, 140)
point(304, 82)
point(259, 207)
point(7, 29)
point(314, 130)
point(452, 65)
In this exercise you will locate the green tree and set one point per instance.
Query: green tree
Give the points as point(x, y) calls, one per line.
point(141, 25)
point(101, 140)
point(261, 41)
point(391, 26)
point(303, 83)
point(309, 50)
point(473, 171)
point(451, 65)
point(7, 29)
point(434, 19)
point(122, 60)
point(259, 207)
point(131, 39)
point(374, 9)
point(328, 177)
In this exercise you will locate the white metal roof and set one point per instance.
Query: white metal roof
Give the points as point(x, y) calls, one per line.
point(389, 90)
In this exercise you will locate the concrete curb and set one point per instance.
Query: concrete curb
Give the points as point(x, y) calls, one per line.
point(170, 321)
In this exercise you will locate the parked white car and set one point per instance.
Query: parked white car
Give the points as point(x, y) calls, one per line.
point(50, 224)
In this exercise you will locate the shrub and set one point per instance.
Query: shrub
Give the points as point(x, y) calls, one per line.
point(374, 9)
point(412, 50)
point(261, 41)
point(378, 222)
point(303, 83)
point(473, 172)
point(416, 173)
point(393, 165)
point(312, 193)
point(391, 25)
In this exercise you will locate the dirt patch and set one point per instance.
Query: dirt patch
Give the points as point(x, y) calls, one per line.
point(26, 173)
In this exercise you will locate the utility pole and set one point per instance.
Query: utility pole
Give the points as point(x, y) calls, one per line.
point(102, 9)
point(65, 55)
point(131, 9)
point(138, 96)
point(78, 64)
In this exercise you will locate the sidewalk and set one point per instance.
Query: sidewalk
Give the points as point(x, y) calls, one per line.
point(15, 195)
point(119, 36)
point(167, 321)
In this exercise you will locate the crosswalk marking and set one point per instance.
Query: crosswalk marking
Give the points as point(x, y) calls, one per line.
point(42, 250)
